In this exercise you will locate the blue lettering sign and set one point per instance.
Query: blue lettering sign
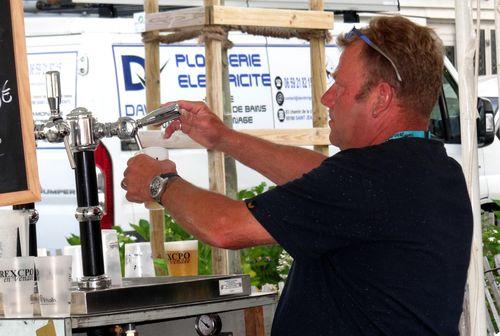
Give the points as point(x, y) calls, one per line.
point(130, 85)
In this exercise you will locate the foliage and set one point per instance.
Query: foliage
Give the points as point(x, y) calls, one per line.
point(73, 239)
point(491, 238)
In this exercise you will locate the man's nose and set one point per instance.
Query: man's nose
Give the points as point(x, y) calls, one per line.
point(327, 97)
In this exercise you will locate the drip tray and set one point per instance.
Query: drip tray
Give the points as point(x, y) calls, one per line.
point(140, 293)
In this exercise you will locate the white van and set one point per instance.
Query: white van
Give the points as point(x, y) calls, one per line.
point(101, 62)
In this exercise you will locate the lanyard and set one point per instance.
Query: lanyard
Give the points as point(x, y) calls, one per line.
point(410, 134)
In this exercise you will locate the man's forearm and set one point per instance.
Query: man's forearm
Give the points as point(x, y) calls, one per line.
point(279, 163)
point(213, 218)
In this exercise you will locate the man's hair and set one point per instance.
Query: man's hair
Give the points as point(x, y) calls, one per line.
point(418, 54)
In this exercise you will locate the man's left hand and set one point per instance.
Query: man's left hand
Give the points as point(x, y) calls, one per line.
point(140, 171)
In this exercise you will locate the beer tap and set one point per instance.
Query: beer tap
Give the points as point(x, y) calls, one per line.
point(81, 134)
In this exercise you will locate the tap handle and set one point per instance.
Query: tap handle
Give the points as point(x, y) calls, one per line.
point(53, 85)
point(69, 152)
point(161, 115)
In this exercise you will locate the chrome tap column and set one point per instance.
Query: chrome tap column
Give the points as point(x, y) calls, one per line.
point(89, 214)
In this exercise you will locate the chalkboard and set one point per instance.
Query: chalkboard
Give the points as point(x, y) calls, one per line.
point(18, 170)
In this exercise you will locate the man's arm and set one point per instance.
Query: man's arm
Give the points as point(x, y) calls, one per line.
point(211, 217)
point(279, 163)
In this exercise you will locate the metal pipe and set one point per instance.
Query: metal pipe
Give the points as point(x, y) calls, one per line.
point(87, 198)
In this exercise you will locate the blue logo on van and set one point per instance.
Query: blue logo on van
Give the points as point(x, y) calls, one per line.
point(127, 61)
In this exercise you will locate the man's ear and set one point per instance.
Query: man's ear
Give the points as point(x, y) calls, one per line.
point(382, 99)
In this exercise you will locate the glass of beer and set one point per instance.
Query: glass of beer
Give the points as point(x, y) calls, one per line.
point(182, 257)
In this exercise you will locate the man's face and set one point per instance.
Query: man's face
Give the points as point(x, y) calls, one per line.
point(349, 119)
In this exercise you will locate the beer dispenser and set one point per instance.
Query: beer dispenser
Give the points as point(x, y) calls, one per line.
point(81, 133)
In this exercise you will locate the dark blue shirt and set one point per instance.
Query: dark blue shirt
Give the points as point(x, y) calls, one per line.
point(380, 238)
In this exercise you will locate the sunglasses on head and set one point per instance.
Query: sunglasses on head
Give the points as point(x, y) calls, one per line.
point(350, 36)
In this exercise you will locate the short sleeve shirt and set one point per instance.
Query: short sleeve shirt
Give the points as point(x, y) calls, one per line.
point(380, 238)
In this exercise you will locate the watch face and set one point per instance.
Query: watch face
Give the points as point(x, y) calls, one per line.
point(155, 186)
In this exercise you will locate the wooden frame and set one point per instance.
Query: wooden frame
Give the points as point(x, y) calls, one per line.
point(294, 137)
point(20, 65)
point(213, 14)
point(196, 18)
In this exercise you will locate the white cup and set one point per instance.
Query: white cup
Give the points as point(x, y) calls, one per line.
point(54, 281)
point(111, 256)
point(158, 153)
point(17, 283)
point(10, 222)
point(76, 266)
point(138, 260)
point(42, 252)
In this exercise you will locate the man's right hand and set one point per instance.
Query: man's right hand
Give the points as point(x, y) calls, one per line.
point(199, 123)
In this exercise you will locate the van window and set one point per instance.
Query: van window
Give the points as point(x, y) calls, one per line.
point(450, 91)
point(448, 108)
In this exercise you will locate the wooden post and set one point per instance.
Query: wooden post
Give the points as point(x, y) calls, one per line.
point(233, 256)
point(216, 172)
point(153, 97)
point(254, 321)
point(318, 78)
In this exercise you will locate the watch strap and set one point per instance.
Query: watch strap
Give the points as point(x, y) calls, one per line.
point(166, 176)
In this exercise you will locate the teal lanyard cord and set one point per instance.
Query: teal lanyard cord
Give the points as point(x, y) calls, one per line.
point(410, 134)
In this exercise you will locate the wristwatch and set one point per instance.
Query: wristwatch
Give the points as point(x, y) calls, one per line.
point(158, 185)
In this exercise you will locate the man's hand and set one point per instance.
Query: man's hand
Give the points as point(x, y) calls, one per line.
point(199, 123)
point(140, 171)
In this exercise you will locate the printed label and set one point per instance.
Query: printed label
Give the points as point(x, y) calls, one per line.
point(230, 286)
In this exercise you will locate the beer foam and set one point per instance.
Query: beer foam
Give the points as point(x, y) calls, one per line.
point(182, 245)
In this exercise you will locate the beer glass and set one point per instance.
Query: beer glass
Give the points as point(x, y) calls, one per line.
point(182, 257)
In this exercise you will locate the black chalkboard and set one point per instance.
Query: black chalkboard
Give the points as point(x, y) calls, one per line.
point(18, 174)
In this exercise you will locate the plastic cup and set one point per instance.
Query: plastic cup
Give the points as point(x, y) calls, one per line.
point(138, 260)
point(182, 257)
point(9, 223)
point(17, 283)
point(158, 153)
point(42, 252)
point(76, 266)
point(111, 256)
point(54, 281)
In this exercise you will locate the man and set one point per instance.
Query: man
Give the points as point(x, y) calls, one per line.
point(380, 232)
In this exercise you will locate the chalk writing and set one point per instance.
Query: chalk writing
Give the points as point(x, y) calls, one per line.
point(5, 96)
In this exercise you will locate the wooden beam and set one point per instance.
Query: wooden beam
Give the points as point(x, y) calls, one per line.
point(279, 18)
point(293, 137)
point(254, 321)
point(240, 16)
point(216, 172)
point(177, 19)
point(152, 69)
point(318, 79)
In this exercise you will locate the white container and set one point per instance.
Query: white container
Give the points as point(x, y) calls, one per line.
point(10, 222)
point(158, 153)
point(138, 260)
point(111, 256)
point(54, 281)
point(17, 286)
point(76, 266)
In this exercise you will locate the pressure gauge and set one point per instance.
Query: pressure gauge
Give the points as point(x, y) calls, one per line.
point(208, 325)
